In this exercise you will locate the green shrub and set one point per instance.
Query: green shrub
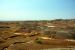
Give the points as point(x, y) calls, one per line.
point(39, 41)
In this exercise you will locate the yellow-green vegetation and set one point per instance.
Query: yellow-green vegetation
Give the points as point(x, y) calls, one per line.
point(38, 40)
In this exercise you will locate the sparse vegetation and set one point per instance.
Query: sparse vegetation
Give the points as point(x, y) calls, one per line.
point(32, 31)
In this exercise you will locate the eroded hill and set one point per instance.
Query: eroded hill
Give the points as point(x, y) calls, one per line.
point(36, 35)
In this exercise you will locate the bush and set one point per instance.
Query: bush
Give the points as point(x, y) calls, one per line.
point(39, 41)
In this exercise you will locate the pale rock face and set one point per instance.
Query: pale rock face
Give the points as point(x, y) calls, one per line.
point(51, 26)
point(18, 33)
point(45, 38)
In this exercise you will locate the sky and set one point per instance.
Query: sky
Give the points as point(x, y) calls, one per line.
point(36, 9)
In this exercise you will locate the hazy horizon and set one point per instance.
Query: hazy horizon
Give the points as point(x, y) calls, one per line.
point(13, 10)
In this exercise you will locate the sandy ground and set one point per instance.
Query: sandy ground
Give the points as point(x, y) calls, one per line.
point(60, 49)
